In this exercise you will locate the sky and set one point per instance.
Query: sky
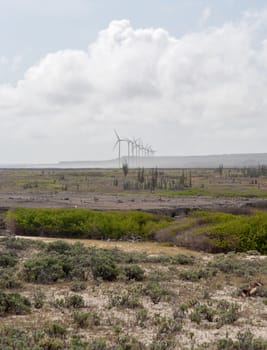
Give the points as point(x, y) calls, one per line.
point(188, 77)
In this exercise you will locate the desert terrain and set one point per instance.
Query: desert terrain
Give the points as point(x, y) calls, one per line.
point(156, 286)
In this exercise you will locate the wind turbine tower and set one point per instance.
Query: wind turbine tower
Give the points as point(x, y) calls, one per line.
point(118, 142)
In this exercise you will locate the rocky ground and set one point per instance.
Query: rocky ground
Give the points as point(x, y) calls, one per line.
point(122, 202)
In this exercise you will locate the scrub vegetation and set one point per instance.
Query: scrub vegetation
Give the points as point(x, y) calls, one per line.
point(210, 231)
point(243, 182)
point(82, 223)
point(76, 297)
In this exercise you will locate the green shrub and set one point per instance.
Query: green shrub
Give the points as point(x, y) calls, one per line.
point(155, 291)
point(104, 267)
point(238, 266)
point(98, 344)
point(134, 272)
point(231, 232)
point(15, 339)
point(128, 299)
point(197, 274)
point(56, 330)
point(168, 327)
point(8, 259)
point(126, 342)
point(51, 344)
point(14, 304)
point(202, 312)
point(15, 243)
point(178, 259)
point(75, 301)
point(8, 279)
point(85, 223)
point(228, 313)
point(59, 246)
point(85, 319)
point(77, 286)
point(141, 317)
point(245, 341)
point(162, 344)
point(43, 269)
point(39, 299)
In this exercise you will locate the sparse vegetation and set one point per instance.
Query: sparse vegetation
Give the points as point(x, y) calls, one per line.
point(81, 304)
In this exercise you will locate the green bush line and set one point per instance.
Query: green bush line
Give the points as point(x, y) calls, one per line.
point(236, 232)
point(83, 223)
point(223, 231)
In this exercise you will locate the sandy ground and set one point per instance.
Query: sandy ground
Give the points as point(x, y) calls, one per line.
point(141, 247)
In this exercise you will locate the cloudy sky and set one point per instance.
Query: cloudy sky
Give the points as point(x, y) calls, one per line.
point(187, 76)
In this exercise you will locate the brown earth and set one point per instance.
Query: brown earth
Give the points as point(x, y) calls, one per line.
point(169, 204)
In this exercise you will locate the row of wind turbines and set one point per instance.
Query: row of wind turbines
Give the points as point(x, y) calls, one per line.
point(135, 148)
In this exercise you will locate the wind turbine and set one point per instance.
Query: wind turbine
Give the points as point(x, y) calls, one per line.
point(147, 150)
point(129, 142)
point(152, 151)
point(137, 150)
point(118, 142)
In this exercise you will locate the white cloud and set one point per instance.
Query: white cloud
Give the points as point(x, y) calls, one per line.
point(3, 60)
point(205, 15)
point(201, 93)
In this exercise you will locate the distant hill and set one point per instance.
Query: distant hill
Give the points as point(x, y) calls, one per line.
point(210, 161)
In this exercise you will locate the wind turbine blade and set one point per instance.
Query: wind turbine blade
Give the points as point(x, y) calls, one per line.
point(116, 134)
point(115, 144)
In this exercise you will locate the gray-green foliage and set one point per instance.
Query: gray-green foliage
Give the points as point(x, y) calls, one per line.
point(14, 304)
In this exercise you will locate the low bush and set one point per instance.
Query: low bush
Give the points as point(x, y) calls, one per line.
point(104, 267)
point(141, 317)
point(98, 344)
point(156, 291)
point(236, 232)
point(128, 299)
point(196, 275)
point(75, 301)
point(8, 279)
point(162, 344)
point(168, 327)
point(245, 340)
point(8, 259)
point(59, 246)
point(14, 304)
point(202, 312)
point(51, 344)
point(56, 330)
point(15, 339)
point(15, 243)
point(77, 286)
point(86, 319)
point(231, 263)
point(39, 299)
point(43, 269)
point(134, 272)
point(127, 342)
point(228, 313)
point(178, 259)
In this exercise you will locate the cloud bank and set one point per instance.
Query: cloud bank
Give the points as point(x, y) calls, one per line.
point(201, 93)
